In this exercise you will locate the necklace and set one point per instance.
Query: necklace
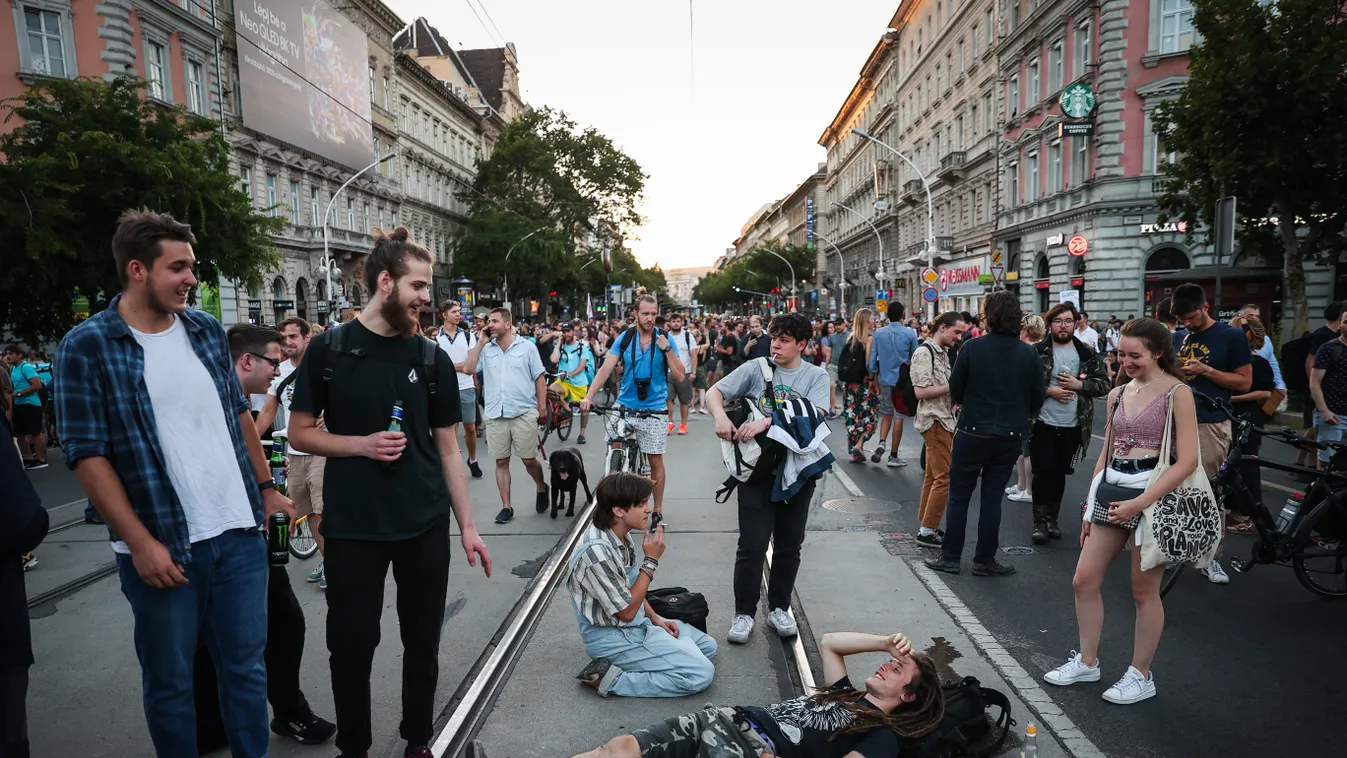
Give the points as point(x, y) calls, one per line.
point(1138, 389)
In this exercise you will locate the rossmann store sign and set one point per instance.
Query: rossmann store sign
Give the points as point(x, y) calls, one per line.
point(961, 277)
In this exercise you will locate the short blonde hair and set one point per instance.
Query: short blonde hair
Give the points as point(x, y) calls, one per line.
point(1033, 327)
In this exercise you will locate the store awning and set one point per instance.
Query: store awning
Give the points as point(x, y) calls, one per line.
point(1204, 273)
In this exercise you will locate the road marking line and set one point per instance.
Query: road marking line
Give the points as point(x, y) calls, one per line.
point(847, 482)
point(1273, 485)
point(1072, 739)
point(81, 501)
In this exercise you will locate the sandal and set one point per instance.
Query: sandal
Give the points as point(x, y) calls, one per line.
point(1241, 527)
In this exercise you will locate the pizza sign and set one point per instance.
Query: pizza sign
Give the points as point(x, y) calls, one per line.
point(1077, 245)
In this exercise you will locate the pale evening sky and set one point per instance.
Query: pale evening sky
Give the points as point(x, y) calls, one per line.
point(769, 76)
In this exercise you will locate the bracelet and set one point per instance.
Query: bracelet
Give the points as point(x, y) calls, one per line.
point(651, 562)
point(649, 572)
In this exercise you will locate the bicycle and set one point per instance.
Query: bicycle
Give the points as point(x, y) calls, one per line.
point(623, 452)
point(560, 412)
point(1292, 537)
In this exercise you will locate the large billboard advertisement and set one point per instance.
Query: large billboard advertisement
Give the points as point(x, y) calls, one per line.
point(304, 70)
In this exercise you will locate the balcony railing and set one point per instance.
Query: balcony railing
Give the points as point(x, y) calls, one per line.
point(951, 166)
point(912, 191)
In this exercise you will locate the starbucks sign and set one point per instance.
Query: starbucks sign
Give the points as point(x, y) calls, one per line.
point(1077, 101)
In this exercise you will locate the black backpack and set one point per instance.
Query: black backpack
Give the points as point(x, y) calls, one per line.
point(851, 366)
point(1294, 354)
point(905, 387)
point(337, 349)
point(680, 604)
point(967, 730)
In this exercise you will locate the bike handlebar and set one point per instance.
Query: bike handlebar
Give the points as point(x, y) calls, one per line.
point(621, 411)
point(1283, 434)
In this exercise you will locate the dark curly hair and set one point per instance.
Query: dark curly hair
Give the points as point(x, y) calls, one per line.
point(791, 325)
point(1002, 309)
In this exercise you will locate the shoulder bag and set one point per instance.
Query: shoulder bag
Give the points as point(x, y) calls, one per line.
point(1185, 524)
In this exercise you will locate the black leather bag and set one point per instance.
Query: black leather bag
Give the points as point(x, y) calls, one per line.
point(680, 604)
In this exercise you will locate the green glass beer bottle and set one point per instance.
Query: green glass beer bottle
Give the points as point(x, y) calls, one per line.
point(278, 463)
point(395, 425)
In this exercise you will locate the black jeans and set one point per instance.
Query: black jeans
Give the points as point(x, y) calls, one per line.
point(283, 654)
point(761, 521)
point(356, 570)
point(13, 711)
point(975, 457)
point(1050, 452)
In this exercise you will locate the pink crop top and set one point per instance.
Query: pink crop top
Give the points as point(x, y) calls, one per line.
point(1146, 430)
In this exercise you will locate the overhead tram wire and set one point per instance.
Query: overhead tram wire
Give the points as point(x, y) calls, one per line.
point(483, 24)
point(499, 33)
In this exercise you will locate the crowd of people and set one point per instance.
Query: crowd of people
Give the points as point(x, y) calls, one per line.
point(162, 415)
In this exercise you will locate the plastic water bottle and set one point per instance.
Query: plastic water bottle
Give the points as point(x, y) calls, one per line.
point(1287, 518)
point(1030, 747)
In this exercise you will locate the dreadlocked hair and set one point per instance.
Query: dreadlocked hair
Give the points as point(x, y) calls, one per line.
point(911, 720)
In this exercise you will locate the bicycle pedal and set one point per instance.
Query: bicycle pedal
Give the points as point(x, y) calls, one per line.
point(1240, 567)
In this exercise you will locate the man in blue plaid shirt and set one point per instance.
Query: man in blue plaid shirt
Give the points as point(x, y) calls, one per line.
point(160, 437)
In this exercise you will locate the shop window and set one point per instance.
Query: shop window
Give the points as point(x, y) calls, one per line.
point(1167, 259)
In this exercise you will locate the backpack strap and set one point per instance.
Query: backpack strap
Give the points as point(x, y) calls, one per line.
point(429, 351)
point(1003, 722)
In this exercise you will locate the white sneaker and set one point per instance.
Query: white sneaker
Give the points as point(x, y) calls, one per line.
point(740, 628)
point(781, 621)
point(1215, 574)
point(1132, 688)
point(1021, 496)
point(1074, 670)
point(1012, 489)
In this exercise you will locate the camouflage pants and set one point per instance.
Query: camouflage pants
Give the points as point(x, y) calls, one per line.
point(711, 733)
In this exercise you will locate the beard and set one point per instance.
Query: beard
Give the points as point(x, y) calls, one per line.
point(1062, 339)
point(398, 315)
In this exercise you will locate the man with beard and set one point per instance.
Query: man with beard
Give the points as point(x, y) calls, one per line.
point(683, 345)
point(1074, 375)
point(162, 441)
point(573, 359)
point(456, 340)
point(390, 492)
point(757, 343)
point(305, 478)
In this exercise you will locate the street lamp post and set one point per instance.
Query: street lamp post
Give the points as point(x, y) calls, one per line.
point(327, 255)
point(930, 206)
point(505, 268)
point(841, 271)
point(881, 275)
point(788, 265)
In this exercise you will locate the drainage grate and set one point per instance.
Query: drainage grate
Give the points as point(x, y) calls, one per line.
point(861, 505)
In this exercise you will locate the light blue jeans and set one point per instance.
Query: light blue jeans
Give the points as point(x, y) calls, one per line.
point(654, 663)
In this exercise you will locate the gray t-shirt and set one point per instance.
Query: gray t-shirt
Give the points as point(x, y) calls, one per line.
point(835, 342)
point(1066, 360)
point(805, 380)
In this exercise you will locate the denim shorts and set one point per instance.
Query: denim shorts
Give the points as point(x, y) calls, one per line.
point(1327, 433)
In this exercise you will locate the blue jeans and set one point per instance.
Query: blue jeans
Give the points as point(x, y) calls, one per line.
point(990, 459)
point(224, 601)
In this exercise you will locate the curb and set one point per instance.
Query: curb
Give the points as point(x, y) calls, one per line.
point(1071, 738)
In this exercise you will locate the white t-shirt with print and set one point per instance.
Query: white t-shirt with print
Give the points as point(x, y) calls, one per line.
point(283, 413)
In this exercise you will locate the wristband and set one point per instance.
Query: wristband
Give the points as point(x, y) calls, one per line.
point(649, 572)
point(651, 562)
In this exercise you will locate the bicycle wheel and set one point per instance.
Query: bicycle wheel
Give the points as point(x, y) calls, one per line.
point(302, 542)
point(1323, 573)
point(565, 419)
point(1171, 578)
point(617, 460)
point(545, 429)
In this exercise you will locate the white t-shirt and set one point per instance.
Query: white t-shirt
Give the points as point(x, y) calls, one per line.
point(1089, 336)
point(283, 413)
point(194, 437)
point(457, 349)
point(683, 344)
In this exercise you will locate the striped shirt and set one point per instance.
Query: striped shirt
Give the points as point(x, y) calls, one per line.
point(599, 583)
point(103, 411)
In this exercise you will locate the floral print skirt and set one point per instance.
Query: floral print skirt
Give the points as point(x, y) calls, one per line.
point(859, 401)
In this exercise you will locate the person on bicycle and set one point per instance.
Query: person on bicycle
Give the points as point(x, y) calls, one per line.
point(256, 351)
point(646, 357)
point(388, 493)
point(1138, 414)
point(516, 403)
point(573, 360)
point(764, 517)
point(635, 652)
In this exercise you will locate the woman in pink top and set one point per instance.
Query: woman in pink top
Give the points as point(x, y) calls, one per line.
point(1123, 487)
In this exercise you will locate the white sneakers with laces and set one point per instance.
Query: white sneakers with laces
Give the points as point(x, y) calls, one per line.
point(1132, 688)
point(740, 628)
point(1215, 573)
point(781, 621)
point(1074, 670)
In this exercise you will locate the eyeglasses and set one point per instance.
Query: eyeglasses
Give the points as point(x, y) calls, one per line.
point(275, 363)
point(1063, 321)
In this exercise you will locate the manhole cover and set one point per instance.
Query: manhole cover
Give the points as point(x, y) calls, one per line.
point(860, 505)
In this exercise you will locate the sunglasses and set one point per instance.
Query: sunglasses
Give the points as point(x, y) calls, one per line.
point(275, 363)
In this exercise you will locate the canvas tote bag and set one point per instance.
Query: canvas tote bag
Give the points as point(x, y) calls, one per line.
point(1184, 525)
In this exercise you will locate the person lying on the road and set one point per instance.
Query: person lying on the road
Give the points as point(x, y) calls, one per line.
point(902, 700)
point(636, 653)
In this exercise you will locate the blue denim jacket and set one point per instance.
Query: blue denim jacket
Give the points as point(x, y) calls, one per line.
point(103, 411)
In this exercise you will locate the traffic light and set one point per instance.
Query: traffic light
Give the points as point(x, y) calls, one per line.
point(553, 293)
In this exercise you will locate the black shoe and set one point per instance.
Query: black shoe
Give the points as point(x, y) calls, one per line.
point(475, 469)
point(878, 455)
point(592, 675)
point(95, 520)
point(307, 728)
point(939, 563)
point(1040, 534)
point(475, 749)
point(930, 540)
point(1053, 531)
point(579, 441)
point(541, 505)
point(992, 569)
point(505, 516)
point(417, 751)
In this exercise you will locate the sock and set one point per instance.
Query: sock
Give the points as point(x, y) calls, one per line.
point(472, 460)
point(925, 532)
point(893, 453)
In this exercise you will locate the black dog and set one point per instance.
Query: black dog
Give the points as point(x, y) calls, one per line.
point(568, 468)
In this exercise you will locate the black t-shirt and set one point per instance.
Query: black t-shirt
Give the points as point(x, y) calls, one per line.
point(802, 728)
point(757, 347)
point(545, 353)
point(1224, 348)
point(1332, 358)
point(366, 499)
point(1262, 381)
point(730, 362)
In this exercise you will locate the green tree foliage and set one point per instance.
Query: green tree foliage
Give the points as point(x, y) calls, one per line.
point(1261, 117)
point(82, 152)
point(759, 270)
point(573, 184)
